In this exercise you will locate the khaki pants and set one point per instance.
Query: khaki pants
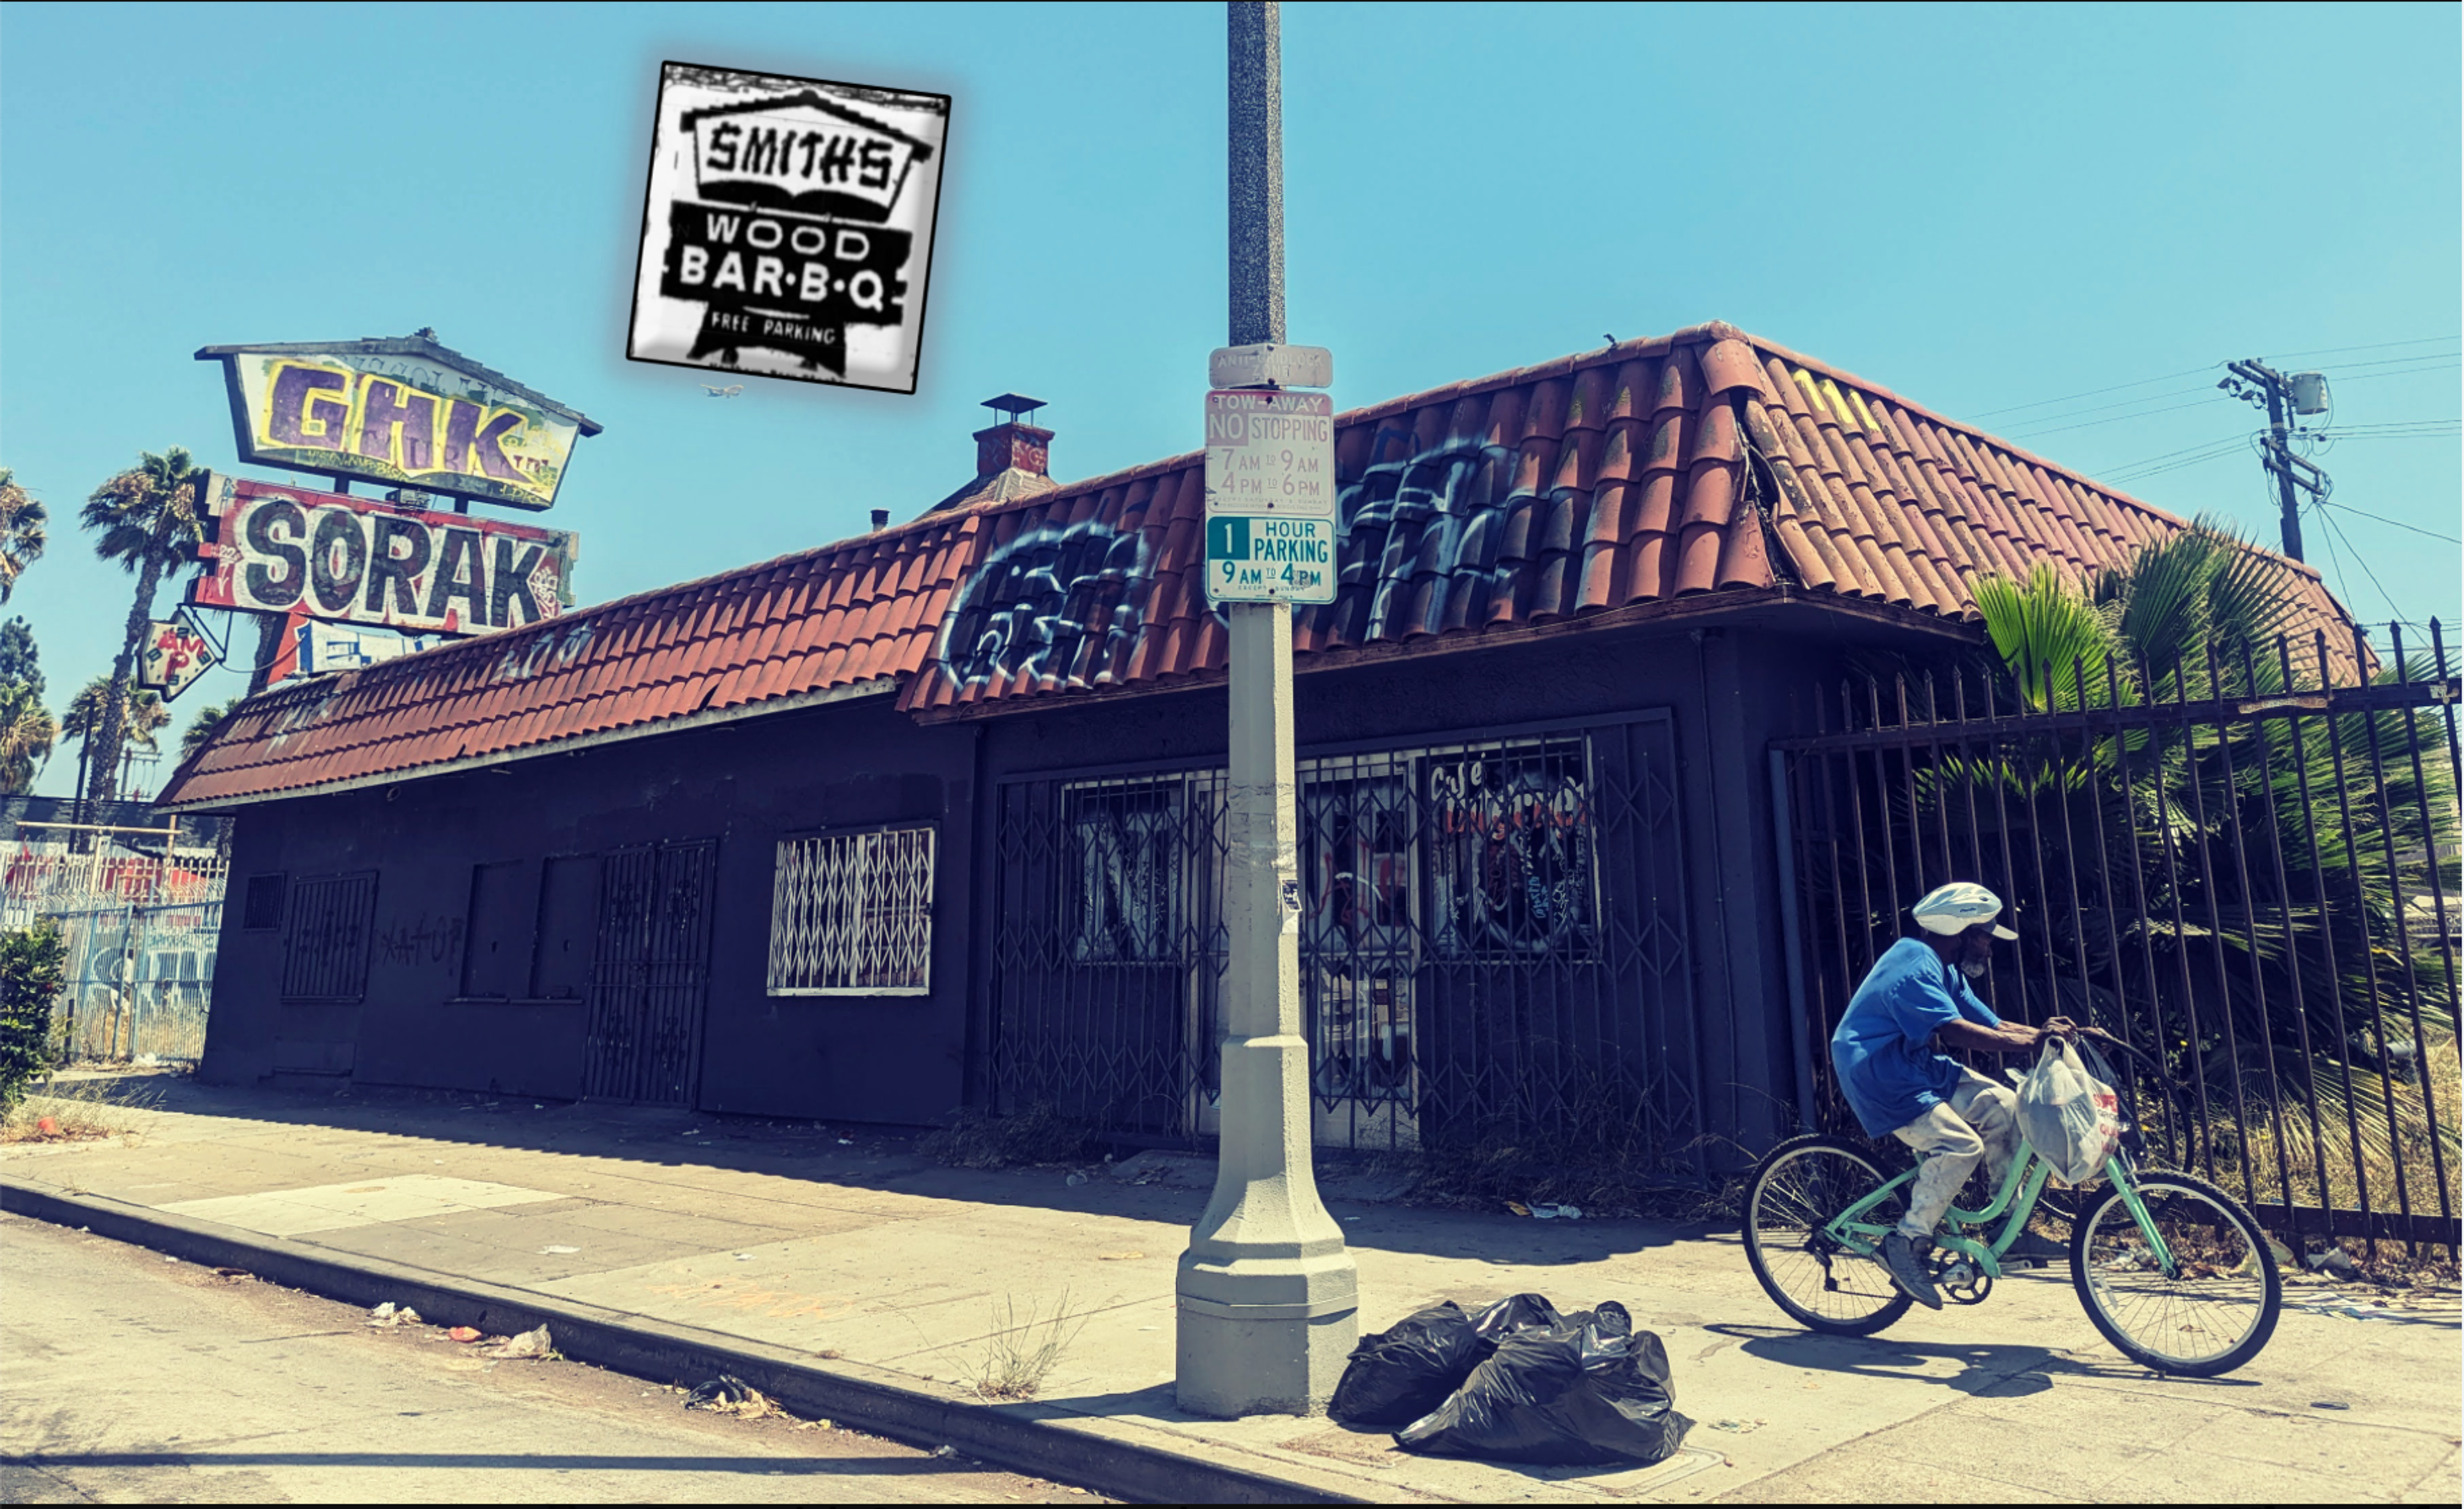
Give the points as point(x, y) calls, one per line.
point(1980, 1121)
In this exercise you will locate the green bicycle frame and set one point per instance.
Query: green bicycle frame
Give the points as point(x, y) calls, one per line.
point(1854, 1230)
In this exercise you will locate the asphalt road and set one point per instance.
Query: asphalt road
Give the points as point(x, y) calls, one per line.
point(126, 1376)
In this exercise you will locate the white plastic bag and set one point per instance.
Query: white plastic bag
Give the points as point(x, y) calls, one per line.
point(2070, 1118)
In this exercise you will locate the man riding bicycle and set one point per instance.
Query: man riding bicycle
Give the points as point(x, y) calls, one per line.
point(1888, 1052)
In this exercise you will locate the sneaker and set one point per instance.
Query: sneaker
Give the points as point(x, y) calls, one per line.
point(1907, 1268)
point(2042, 1251)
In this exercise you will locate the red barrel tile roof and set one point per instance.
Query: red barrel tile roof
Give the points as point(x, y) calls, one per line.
point(1651, 470)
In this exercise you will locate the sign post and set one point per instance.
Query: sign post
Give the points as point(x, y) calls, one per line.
point(1269, 1298)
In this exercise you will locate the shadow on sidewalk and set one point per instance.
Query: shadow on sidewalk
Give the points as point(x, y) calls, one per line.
point(862, 1156)
point(2002, 1370)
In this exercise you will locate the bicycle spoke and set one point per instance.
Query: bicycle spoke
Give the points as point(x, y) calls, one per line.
point(1815, 1279)
point(2212, 1300)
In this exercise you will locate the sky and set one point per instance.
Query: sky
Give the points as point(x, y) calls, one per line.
point(2055, 223)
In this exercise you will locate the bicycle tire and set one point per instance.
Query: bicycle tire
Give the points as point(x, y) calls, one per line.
point(1763, 1191)
point(2094, 1292)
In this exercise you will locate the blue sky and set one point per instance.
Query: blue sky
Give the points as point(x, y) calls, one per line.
point(2052, 221)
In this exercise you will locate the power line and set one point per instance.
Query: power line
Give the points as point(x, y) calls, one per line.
point(2117, 418)
point(2127, 403)
point(2397, 522)
point(2375, 345)
point(2372, 377)
point(2094, 392)
point(2358, 559)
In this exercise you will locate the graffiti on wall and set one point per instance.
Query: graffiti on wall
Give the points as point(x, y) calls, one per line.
point(1063, 602)
point(1054, 601)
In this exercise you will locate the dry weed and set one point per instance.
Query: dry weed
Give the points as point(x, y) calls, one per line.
point(78, 1110)
point(1022, 1353)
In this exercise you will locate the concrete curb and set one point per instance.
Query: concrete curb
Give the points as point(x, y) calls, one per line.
point(1039, 1439)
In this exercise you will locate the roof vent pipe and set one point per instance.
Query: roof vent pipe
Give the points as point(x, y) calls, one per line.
point(880, 518)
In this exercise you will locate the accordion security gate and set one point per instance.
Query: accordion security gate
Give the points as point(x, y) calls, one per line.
point(2246, 870)
point(1492, 938)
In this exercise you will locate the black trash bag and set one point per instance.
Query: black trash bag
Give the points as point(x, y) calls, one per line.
point(1516, 1312)
point(1589, 1393)
point(1400, 1374)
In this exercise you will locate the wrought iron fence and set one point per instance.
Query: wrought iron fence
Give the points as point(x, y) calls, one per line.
point(2245, 866)
point(141, 933)
point(1492, 939)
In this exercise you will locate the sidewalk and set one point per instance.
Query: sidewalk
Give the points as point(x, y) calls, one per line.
point(845, 1248)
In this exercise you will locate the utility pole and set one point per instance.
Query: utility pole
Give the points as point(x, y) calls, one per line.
point(2254, 382)
point(1268, 1297)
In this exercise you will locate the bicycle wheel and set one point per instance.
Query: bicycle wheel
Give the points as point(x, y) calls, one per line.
point(2218, 1308)
point(1821, 1285)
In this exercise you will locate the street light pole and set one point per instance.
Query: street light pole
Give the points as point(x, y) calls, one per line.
point(1268, 1297)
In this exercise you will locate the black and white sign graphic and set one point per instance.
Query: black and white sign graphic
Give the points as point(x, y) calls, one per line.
point(787, 228)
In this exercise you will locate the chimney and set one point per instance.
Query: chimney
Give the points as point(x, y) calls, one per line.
point(1013, 458)
point(880, 519)
point(1014, 445)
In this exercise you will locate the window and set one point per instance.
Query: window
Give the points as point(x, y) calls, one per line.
point(1511, 852)
point(325, 956)
point(851, 915)
point(496, 941)
point(1125, 858)
point(262, 911)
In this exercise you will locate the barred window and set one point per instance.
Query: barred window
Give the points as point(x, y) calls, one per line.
point(262, 911)
point(1511, 871)
point(1126, 859)
point(325, 956)
point(851, 915)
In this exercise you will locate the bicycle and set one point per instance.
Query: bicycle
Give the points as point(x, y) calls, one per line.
point(2174, 1271)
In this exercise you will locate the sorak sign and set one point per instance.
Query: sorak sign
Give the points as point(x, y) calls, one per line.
point(363, 561)
point(409, 411)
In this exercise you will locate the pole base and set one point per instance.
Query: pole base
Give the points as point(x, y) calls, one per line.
point(1236, 1360)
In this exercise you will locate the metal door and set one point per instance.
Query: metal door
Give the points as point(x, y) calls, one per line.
point(651, 973)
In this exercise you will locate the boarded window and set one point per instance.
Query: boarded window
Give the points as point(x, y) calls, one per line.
point(851, 915)
point(262, 911)
point(496, 955)
point(568, 903)
point(326, 952)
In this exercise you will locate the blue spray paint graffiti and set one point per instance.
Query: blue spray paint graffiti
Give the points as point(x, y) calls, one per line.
point(1063, 601)
point(1054, 601)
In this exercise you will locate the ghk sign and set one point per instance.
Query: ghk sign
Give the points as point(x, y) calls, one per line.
point(787, 227)
point(362, 560)
point(175, 656)
point(407, 410)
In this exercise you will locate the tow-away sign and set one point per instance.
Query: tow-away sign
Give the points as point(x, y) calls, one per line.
point(1270, 515)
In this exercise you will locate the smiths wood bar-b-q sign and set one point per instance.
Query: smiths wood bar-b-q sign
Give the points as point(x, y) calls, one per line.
point(404, 411)
point(787, 227)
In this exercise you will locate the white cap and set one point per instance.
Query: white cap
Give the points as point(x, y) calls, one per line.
point(1956, 908)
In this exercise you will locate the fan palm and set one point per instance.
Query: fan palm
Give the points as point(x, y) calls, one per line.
point(147, 515)
point(142, 716)
point(27, 734)
point(21, 532)
point(193, 737)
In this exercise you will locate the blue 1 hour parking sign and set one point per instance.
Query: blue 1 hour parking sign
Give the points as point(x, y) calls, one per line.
point(1269, 558)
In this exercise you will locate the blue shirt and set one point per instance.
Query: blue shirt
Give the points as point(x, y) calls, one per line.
point(1884, 1050)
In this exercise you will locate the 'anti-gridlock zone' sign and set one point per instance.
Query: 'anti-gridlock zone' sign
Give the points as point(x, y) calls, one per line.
point(1272, 531)
point(787, 227)
point(363, 561)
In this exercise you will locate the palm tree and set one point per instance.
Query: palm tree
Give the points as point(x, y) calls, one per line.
point(142, 716)
point(148, 518)
point(208, 718)
point(27, 734)
point(21, 532)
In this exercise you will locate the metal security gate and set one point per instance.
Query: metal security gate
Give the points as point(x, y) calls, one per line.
point(2246, 868)
point(1492, 940)
point(141, 935)
point(650, 972)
